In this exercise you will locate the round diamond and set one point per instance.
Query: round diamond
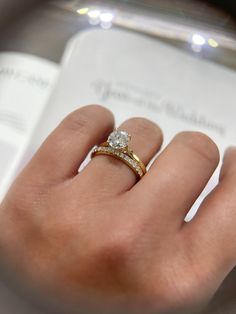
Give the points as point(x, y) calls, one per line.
point(118, 139)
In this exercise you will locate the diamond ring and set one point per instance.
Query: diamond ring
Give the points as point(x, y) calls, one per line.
point(117, 145)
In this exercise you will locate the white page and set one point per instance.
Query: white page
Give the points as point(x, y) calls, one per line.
point(134, 75)
point(25, 84)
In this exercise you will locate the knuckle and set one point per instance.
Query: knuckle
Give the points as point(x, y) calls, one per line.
point(228, 169)
point(95, 110)
point(92, 107)
point(82, 120)
point(115, 252)
point(145, 127)
point(200, 144)
point(78, 121)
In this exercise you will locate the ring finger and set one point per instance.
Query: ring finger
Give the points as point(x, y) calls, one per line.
point(114, 175)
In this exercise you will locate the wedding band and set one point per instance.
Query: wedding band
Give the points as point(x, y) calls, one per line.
point(117, 146)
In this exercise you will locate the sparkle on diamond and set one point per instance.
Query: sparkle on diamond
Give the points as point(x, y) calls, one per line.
point(118, 139)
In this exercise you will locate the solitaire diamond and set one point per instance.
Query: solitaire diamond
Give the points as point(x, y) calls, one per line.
point(118, 139)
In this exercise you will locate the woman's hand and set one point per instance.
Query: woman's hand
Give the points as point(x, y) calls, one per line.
point(100, 233)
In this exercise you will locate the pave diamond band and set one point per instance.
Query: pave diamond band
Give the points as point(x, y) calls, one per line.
point(133, 164)
point(117, 146)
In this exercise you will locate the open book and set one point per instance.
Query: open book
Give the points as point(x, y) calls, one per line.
point(25, 84)
point(134, 75)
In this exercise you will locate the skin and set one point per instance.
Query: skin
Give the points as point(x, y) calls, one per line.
point(100, 234)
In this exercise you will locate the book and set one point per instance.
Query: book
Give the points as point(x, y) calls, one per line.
point(25, 84)
point(173, 88)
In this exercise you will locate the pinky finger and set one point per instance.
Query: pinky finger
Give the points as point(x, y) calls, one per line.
point(212, 232)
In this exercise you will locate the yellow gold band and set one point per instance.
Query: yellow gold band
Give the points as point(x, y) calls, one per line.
point(125, 155)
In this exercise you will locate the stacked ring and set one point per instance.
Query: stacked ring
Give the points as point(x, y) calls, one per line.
point(117, 146)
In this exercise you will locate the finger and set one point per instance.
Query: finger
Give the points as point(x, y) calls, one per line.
point(212, 231)
point(65, 149)
point(179, 174)
point(113, 175)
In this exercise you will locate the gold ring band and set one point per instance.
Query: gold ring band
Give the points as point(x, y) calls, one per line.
point(121, 152)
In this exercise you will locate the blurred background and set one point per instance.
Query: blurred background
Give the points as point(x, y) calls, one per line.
point(43, 28)
point(204, 29)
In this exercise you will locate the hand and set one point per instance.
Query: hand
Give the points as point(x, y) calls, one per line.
point(100, 232)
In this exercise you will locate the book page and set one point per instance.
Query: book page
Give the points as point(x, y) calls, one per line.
point(134, 75)
point(25, 84)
